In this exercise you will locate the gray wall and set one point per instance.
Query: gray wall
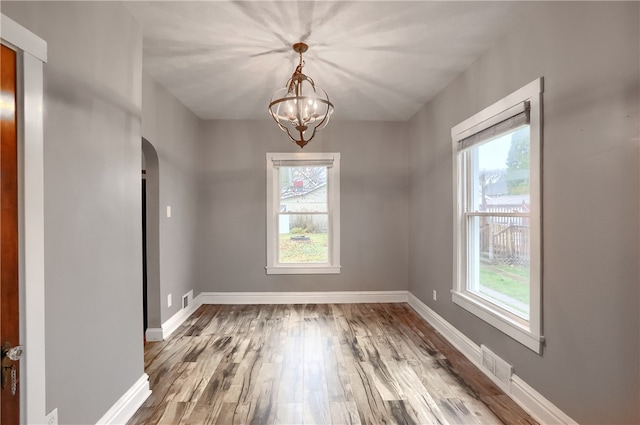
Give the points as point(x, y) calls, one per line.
point(588, 54)
point(92, 202)
point(374, 240)
point(175, 132)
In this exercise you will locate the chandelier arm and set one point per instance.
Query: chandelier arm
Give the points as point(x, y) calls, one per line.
point(310, 80)
point(320, 125)
point(302, 142)
point(290, 83)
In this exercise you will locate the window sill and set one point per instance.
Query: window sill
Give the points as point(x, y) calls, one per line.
point(303, 269)
point(499, 320)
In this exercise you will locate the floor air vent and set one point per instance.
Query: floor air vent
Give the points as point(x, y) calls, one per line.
point(497, 369)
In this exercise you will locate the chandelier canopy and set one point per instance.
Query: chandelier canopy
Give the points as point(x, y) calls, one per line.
point(300, 108)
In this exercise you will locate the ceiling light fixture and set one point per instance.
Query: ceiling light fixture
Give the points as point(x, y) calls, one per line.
point(300, 108)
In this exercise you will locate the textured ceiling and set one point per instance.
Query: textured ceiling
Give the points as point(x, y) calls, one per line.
point(377, 60)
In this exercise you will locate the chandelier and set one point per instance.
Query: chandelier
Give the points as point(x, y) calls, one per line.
point(300, 108)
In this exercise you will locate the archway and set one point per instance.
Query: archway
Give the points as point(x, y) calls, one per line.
point(151, 241)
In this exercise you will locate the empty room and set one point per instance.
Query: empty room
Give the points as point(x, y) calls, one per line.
point(320, 212)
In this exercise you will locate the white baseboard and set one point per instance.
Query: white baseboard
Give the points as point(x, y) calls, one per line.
point(453, 335)
point(178, 319)
point(538, 406)
point(154, 334)
point(337, 297)
point(528, 398)
point(128, 404)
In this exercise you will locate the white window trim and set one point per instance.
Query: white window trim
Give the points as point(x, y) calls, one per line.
point(273, 202)
point(527, 333)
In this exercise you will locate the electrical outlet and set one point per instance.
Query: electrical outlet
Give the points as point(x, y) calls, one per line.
point(52, 417)
point(435, 295)
point(168, 211)
point(185, 301)
point(169, 300)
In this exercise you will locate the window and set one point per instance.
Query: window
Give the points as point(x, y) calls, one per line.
point(497, 211)
point(303, 213)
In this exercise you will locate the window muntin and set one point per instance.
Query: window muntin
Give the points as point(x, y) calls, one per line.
point(497, 215)
point(303, 213)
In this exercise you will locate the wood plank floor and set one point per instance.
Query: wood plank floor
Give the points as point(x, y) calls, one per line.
point(316, 364)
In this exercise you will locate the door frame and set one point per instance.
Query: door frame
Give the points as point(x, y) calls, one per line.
point(154, 319)
point(31, 55)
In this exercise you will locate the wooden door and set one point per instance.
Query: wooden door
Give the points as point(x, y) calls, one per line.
point(9, 303)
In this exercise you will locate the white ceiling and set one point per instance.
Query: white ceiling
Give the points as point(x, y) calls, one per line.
point(377, 60)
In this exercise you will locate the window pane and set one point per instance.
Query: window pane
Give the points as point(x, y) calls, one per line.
point(303, 189)
point(500, 173)
point(498, 257)
point(304, 238)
